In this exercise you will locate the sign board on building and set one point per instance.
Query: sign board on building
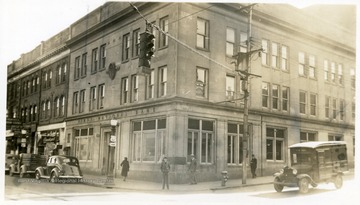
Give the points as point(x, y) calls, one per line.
point(112, 144)
point(112, 138)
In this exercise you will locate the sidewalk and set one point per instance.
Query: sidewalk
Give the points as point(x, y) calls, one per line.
point(137, 185)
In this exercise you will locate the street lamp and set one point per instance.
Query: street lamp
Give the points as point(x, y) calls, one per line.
point(111, 154)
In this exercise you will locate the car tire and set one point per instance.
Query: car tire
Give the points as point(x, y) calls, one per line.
point(37, 175)
point(22, 174)
point(338, 181)
point(304, 185)
point(278, 187)
point(53, 178)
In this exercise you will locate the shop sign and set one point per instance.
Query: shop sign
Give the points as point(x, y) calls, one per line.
point(112, 144)
point(112, 138)
point(49, 139)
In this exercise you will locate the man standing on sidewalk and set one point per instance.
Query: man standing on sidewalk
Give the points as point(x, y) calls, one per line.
point(165, 168)
point(253, 165)
point(192, 170)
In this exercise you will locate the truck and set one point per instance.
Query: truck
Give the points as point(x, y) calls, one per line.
point(312, 163)
point(26, 164)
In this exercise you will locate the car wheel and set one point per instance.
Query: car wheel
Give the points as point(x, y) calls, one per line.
point(304, 185)
point(22, 174)
point(53, 178)
point(338, 181)
point(37, 175)
point(278, 187)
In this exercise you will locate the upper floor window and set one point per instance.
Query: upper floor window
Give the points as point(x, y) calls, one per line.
point(302, 64)
point(125, 90)
point(162, 81)
point(62, 106)
point(150, 92)
point(75, 102)
point(275, 97)
point(58, 75)
point(326, 70)
point(136, 43)
point(275, 55)
point(77, 68)
point(102, 56)
point(50, 78)
point(243, 42)
point(265, 52)
point(342, 109)
point(202, 34)
point(284, 58)
point(84, 64)
point(48, 109)
point(333, 72)
point(64, 70)
point(230, 41)
point(340, 74)
point(313, 104)
point(334, 107)
point(94, 60)
point(57, 107)
point(265, 94)
point(327, 107)
point(126, 47)
point(285, 98)
point(230, 87)
point(164, 25)
point(303, 102)
point(134, 88)
point(101, 95)
point(312, 66)
point(92, 101)
point(332, 137)
point(82, 101)
point(352, 76)
point(202, 82)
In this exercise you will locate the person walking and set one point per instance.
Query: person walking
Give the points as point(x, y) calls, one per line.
point(192, 169)
point(125, 168)
point(165, 168)
point(253, 166)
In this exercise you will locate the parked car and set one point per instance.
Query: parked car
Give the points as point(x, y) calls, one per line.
point(25, 164)
point(313, 163)
point(10, 159)
point(60, 168)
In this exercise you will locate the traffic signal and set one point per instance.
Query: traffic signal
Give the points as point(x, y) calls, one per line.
point(146, 49)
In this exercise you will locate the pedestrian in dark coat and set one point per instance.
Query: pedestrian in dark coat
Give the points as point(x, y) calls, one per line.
point(192, 170)
point(253, 166)
point(125, 168)
point(165, 168)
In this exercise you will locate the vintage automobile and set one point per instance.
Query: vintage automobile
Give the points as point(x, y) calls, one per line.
point(26, 163)
point(10, 159)
point(313, 163)
point(60, 168)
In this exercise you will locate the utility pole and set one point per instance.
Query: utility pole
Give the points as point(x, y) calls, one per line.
point(244, 76)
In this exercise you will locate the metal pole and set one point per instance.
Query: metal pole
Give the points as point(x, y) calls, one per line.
point(245, 139)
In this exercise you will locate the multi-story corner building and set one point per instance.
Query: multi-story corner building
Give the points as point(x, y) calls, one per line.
point(36, 100)
point(192, 100)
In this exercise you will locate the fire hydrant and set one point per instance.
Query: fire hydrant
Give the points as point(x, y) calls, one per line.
point(224, 178)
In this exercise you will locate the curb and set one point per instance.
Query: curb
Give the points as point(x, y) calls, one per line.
point(239, 186)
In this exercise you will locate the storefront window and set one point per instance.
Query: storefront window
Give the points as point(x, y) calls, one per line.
point(234, 144)
point(202, 147)
point(83, 143)
point(148, 140)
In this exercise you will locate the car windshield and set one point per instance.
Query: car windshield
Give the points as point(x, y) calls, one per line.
point(69, 161)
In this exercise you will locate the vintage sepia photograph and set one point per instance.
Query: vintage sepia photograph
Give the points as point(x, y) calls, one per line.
point(179, 102)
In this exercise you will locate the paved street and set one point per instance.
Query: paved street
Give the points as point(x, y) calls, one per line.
point(28, 189)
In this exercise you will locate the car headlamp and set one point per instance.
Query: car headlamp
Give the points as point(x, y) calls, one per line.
point(294, 171)
point(281, 171)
